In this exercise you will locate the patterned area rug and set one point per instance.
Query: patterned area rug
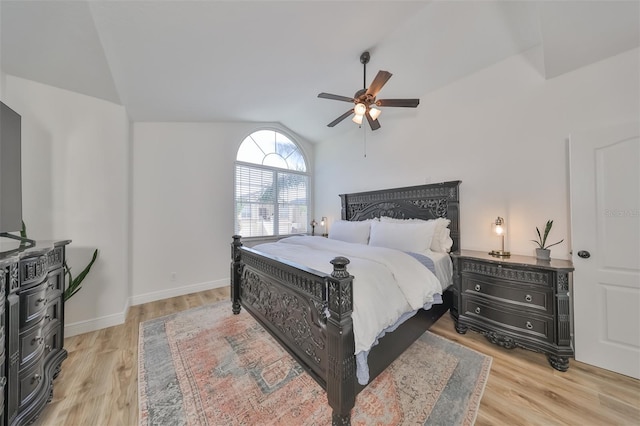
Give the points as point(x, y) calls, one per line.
point(207, 366)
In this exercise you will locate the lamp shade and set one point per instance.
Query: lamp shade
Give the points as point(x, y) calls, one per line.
point(360, 108)
point(499, 228)
point(374, 113)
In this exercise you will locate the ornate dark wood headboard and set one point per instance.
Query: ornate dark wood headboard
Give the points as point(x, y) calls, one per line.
point(413, 202)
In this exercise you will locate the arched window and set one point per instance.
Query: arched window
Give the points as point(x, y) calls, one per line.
point(271, 186)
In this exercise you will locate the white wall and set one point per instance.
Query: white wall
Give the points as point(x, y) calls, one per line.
point(183, 206)
point(502, 131)
point(2, 84)
point(159, 209)
point(75, 168)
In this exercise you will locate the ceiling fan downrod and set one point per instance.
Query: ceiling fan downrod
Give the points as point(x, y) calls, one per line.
point(364, 60)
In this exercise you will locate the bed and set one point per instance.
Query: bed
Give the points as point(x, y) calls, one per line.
point(309, 312)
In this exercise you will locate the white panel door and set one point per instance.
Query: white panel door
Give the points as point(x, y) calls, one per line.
point(605, 232)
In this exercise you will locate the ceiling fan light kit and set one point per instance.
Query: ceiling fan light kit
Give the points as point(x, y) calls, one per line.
point(365, 100)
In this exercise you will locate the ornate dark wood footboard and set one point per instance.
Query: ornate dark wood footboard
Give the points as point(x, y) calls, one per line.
point(309, 312)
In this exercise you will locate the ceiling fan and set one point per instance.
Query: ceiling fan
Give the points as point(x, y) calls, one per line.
point(365, 101)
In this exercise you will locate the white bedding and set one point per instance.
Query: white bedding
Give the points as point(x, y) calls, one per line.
point(443, 267)
point(378, 304)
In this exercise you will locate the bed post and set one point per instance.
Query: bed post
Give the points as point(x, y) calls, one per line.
point(341, 378)
point(236, 272)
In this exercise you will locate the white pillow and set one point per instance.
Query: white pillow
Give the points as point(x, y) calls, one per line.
point(414, 236)
point(350, 232)
point(446, 243)
point(441, 241)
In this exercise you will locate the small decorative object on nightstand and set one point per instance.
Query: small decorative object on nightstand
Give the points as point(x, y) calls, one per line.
point(313, 227)
point(543, 252)
point(324, 223)
point(515, 301)
point(499, 228)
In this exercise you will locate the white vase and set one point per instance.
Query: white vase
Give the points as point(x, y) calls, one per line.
point(543, 254)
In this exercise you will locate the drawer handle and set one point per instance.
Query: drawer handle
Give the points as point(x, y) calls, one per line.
point(529, 325)
point(477, 310)
point(41, 300)
point(528, 298)
point(48, 348)
point(51, 285)
point(36, 378)
point(477, 287)
point(37, 340)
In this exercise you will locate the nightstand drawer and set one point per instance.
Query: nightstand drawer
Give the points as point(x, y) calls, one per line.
point(522, 324)
point(537, 299)
point(511, 273)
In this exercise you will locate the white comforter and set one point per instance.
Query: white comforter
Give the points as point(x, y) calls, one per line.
point(387, 284)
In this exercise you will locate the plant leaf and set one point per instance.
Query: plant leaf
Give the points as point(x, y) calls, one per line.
point(74, 284)
point(547, 229)
point(537, 243)
point(554, 244)
point(539, 237)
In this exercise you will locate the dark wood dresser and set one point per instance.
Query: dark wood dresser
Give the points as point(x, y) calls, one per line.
point(32, 330)
point(516, 301)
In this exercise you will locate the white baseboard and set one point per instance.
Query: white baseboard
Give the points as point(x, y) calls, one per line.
point(179, 291)
point(87, 326)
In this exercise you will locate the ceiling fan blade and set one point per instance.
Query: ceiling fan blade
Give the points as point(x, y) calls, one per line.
point(375, 124)
point(339, 119)
point(335, 97)
point(407, 103)
point(377, 83)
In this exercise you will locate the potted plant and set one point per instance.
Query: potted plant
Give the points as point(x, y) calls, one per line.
point(74, 284)
point(543, 252)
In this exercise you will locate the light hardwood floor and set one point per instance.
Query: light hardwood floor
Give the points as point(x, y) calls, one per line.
point(98, 383)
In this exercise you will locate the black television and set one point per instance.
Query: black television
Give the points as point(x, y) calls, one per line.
point(10, 173)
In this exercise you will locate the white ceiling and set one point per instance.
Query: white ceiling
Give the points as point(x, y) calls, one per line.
point(266, 61)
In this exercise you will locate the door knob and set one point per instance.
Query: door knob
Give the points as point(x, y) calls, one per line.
point(584, 254)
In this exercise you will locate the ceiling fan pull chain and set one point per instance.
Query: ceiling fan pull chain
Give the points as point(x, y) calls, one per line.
point(364, 131)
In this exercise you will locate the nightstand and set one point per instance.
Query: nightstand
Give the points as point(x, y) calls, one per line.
point(515, 301)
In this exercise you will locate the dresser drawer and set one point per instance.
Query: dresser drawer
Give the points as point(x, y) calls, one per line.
point(510, 321)
point(53, 341)
point(529, 297)
point(53, 311)
point(33, 269)
point(31, 344)
point(30, 381)
point(55, 282)
point(33, 304)
point(524, 275)
point(55, 258)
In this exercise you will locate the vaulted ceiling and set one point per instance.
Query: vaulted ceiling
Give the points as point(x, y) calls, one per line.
point(264, 61)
